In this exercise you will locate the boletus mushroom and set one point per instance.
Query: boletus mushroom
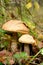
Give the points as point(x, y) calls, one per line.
point(15, 26)
point(27, 39)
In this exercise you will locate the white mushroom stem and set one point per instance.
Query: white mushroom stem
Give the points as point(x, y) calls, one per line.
point(14, 46)
point(14, 43)
point(26, 49)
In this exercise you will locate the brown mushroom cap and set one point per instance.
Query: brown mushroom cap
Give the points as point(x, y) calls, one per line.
point(15, 26)
point(26, 38)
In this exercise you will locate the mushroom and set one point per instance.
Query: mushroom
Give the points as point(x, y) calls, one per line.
point(15, 26)
point(27, 39)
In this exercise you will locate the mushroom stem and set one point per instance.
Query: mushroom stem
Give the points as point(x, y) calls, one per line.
point(14, 46)
point(26, 49)
point(14, 43)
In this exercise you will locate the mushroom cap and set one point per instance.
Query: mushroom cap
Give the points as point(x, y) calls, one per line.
point(26, 38)
point(15, 26)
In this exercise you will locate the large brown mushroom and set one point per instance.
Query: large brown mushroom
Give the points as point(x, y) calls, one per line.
point(15, 26)
point(27, 39)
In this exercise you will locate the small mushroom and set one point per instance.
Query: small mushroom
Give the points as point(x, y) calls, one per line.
point(27, 39)
point(15, 26)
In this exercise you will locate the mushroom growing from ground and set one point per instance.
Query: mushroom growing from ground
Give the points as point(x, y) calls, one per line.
point(15, 26)
point(27, 39)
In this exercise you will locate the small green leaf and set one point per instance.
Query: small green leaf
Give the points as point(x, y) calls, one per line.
point(1, 63)
point(5, 43)
point(2, 32)
point(32, 32)
point(29, 5)
point(18, 56)
point(23, 55)
point(28, 22)
point(19, 34)
point(42, 51)
point(41, 63)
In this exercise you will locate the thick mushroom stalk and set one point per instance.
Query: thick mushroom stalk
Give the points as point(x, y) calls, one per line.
point(27, 39)
point(14, 46)
point(26, 49)
point(15, 26)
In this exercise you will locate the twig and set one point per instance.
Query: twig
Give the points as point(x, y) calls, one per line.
point(34, 56)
